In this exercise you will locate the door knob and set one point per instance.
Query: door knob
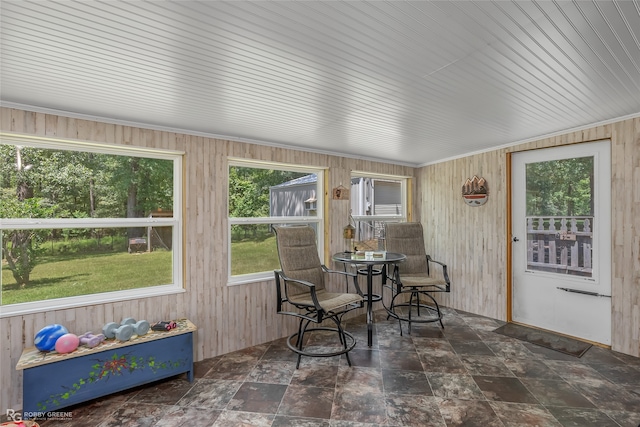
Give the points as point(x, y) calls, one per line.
point(515, 239)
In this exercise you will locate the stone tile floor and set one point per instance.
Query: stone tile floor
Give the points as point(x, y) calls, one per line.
point(464, 375)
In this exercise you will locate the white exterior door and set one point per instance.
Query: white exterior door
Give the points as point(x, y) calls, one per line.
point(561, 207)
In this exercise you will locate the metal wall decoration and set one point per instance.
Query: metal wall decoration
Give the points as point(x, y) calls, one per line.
point(475, 191)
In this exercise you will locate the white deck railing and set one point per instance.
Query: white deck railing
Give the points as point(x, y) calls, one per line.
point(560, 244)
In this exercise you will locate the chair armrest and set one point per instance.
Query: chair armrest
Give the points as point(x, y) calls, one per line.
point(347, 274)
point(312, 288)
point(445, 274)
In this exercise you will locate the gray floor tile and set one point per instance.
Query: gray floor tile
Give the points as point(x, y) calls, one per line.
point(462, 375)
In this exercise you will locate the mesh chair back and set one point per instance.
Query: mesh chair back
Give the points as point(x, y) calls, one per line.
point(299, 258)
point(407, 238)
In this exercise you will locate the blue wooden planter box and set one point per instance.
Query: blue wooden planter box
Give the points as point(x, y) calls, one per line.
point(61, 382)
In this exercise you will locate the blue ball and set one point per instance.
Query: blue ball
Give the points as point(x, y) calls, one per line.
point(46, 338)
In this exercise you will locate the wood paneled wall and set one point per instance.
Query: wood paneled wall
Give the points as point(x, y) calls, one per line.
point(228, 318)
point(473, 241)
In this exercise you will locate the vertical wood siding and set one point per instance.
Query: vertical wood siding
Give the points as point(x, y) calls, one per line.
point(228, 318)
point(473, 241)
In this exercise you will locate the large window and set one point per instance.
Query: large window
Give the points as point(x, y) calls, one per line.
point(262, 195)
point(376, 200)
point(84, 223)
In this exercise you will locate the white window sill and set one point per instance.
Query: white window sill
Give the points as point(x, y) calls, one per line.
point(86, 300)
point(250, 278)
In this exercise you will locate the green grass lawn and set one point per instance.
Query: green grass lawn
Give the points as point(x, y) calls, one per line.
point(82, 274)
point(253, 256)
point(79, 273)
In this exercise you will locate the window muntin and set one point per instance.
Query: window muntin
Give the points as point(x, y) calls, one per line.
point(67, 200)
point(375, 201)
point(262, 195)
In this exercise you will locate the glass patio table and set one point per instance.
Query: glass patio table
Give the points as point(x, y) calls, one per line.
point(369, 263)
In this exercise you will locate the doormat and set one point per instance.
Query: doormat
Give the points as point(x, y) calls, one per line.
point(546, 339)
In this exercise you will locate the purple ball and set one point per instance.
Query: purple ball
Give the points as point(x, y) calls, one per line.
point(46, 338)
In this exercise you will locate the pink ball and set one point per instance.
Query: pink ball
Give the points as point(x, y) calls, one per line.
point(67, 343)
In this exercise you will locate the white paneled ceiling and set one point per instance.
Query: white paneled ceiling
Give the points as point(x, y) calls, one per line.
point(405, 82)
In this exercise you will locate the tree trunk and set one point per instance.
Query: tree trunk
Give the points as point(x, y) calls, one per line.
point(92, 185)
point(24, 191)
point(19, 257)
point(132, 201)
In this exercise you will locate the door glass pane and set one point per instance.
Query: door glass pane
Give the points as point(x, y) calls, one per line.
point(559, 216)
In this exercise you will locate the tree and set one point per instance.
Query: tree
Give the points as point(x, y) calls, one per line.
point(20, 247)
point(136, 187)
point(249, 191)
point(560, 187)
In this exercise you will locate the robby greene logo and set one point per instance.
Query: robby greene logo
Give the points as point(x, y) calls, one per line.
point(17, 416)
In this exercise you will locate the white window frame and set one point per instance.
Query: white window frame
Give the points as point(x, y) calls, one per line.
point(58, 223)
point(317, 219)
point(404, 186)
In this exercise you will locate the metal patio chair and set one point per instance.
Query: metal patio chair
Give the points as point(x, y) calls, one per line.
point(416, 277)
point(300, 286)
